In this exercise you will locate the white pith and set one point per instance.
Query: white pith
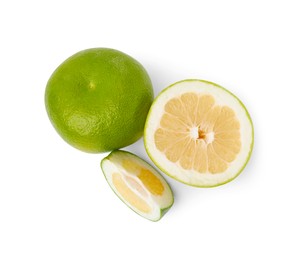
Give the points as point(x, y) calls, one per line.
point(194, 132)
point(222, 98)
point(113, 164)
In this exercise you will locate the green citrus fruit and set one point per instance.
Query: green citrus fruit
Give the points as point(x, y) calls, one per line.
point(98, 99)
point(199, 133)
point(137, 184)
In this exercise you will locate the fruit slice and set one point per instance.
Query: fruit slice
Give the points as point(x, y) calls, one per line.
point(137, 184)
point(199, 133)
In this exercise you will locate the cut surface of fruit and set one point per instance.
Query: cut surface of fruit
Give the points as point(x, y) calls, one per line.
point(137, 184)
point(199, 133)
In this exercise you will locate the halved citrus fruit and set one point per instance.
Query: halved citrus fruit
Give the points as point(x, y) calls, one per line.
point(199, 133)
point(137, 184)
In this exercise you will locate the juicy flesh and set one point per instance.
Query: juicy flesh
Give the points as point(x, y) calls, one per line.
point(130, 196)
point(198, 134)
point(136, 186)
point(151, 182)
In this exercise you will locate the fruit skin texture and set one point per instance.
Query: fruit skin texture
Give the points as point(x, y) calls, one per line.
point(168, 173)
point(98, 99)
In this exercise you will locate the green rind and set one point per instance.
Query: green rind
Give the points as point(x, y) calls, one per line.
point(167, 173)
point(163, 211)
point(86, 95)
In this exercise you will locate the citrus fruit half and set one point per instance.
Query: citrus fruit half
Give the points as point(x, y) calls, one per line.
point(98, 99)
point(199, 133)
point(137, 184)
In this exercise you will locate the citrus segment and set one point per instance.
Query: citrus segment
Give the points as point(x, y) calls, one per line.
point(215, 163)
point(186, 159)
point(137, 184)
point(130, 166)
point(167, 120)
point(175, 108)
point(149, 180)
point(205, 104)
point(201, 159)
point(131, 197)
point(190, 103)
point(199, 133)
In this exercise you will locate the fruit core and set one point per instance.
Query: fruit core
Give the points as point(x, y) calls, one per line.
point(198, 134)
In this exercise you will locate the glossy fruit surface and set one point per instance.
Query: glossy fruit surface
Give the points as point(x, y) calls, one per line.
point(98, 99)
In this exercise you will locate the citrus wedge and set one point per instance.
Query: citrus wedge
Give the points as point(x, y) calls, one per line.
point(137, 184)
point(199, 133)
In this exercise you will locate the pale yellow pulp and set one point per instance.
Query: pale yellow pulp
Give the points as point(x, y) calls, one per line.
point(140, 180)
point(198, 134)
point(131, 197)
point(148, 179)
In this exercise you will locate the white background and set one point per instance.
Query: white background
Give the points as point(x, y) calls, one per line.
point(54, 200)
